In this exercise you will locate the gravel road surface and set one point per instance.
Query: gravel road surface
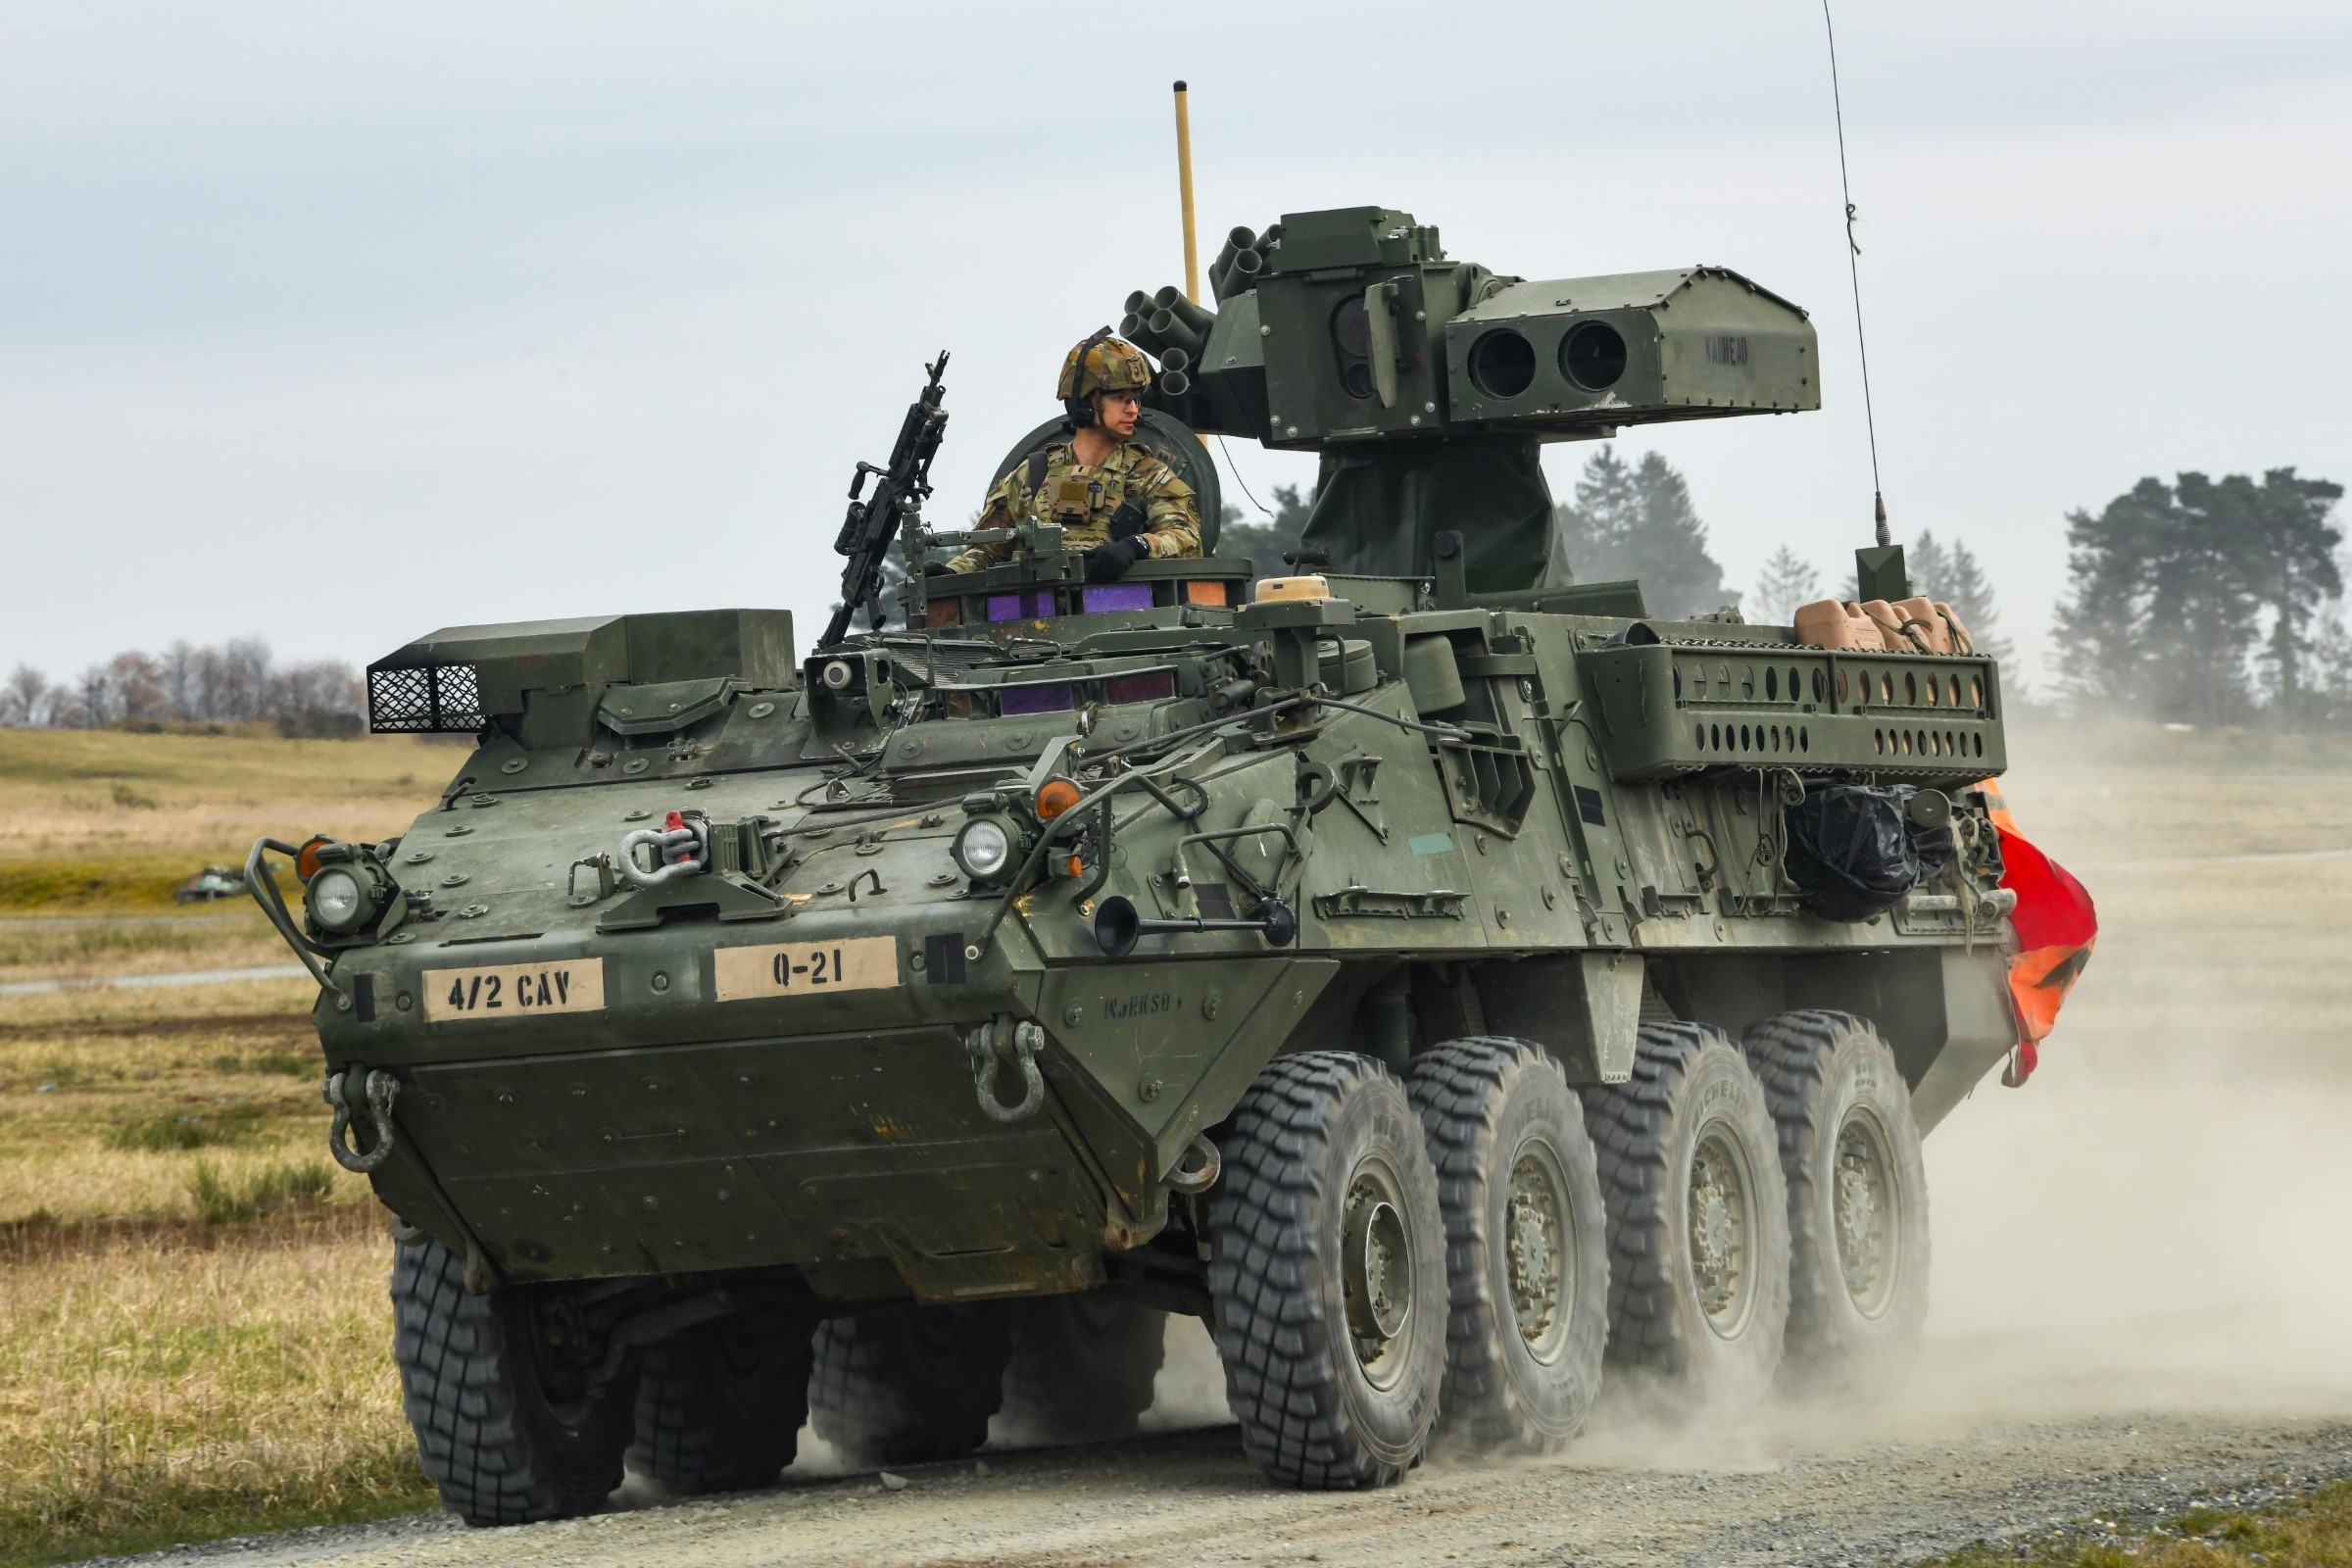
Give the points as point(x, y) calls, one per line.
point(1189, 1498)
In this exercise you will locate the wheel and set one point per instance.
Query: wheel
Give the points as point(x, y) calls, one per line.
point(719, 1405)
point(907, 1382)
point(1527, 1259)
point(508, 1428)
point(1329, 1278)
point(1083, 1367)
point(1857, 1196)
point(1698, 1221)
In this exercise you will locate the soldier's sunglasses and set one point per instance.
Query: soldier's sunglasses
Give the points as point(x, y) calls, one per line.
point(1133, 396)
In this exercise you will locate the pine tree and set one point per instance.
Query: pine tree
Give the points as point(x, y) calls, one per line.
point(1637, 521)
point(1264, 541)
point(1952, 575)
point(1787, 582)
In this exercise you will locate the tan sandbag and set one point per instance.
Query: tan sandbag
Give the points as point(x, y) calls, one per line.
point(1826, 623)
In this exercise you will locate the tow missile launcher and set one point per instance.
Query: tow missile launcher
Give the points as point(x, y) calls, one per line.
point(1444, 979)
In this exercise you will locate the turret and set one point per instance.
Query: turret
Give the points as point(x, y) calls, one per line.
point(1428, 384)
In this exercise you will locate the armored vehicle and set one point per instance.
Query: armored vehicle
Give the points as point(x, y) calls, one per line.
point(1447, 981)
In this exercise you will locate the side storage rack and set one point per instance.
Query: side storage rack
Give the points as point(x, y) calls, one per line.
point(1670, 710)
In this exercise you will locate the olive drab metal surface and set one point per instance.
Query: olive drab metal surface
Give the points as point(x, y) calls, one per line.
point(933, 962)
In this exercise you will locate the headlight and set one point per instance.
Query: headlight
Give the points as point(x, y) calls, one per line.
point(337, 902)
point(983, 849)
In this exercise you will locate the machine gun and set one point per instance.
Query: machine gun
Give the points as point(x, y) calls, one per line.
point(900, 490)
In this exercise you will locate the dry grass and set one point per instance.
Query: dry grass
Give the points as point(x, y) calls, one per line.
point(159, 1388)
point(108, 1098)
point(2314, 1531)
point(99, 819)
point(193, 1328)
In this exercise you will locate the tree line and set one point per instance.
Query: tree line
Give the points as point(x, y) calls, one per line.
point(1637, 521)
point(2210, 601)
point(234, 682)
point(2202, 600)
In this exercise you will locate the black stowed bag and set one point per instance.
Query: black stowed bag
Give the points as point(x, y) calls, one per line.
point(1853, 850)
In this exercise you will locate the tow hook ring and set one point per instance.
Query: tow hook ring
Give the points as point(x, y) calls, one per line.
point(681, 849)
point(382, 1090)
point(1198, 1178)
point(985, 1044)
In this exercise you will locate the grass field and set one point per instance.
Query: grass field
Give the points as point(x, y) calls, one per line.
point(193, 1330)
point(95, 820)
point(194, 1338)
point(2315, 1532)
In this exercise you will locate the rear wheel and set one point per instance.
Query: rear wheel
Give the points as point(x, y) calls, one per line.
point(1083, 1367)
point(1329, 1279)
point(1697, 1219)
point(909, 1383)
point(510, 1425)
point(1526, 1248)
point(720, 1406)
point(1857, 1196)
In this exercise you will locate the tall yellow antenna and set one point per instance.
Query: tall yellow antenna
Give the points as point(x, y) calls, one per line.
point(1184, 183)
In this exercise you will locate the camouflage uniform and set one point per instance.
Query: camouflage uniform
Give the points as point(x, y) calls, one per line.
point(1082, 500)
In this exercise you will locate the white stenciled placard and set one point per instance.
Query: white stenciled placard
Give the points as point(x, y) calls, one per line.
point(803, 969)
point(514, 990)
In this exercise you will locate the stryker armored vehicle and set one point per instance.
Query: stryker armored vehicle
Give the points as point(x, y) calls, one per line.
point(1444, 980)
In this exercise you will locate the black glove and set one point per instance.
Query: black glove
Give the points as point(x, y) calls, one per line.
point(937, 568)
point(1109, 562)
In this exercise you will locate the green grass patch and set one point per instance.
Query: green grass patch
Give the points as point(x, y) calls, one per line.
point(230, 1198)
point(161, 1134)
point(2313, 1532)
point(280, 1063)
point(139, 1514)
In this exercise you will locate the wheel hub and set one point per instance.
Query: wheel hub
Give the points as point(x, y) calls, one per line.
point(1376, 1276)
point(1865, 1214)
point(1535, 1252)
point(1722, 1223)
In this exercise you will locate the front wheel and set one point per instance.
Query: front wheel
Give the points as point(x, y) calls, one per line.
point(508, 1428)
point(1858, 1197)
point(1526, 1250)
point(1329, 1277)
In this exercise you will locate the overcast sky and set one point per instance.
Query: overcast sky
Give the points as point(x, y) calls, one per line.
point(340, 324)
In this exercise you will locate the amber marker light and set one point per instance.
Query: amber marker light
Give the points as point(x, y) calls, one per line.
point(1054, 797)
point(305, 858)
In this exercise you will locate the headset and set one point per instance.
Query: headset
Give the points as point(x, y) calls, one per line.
point(1080, 410)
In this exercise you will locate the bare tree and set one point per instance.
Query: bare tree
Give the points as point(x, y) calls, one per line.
point(27, 701)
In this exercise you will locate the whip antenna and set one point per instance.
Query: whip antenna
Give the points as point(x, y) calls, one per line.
point(1854, 275)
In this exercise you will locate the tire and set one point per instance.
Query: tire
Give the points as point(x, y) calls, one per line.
point(907, 1383)
point(1697, 1309)
point(1083, 1367)
point(1858, 1197)
point(1527, 1258)
point(1328, 1282)
point(720, 1406)
point(506, 1432)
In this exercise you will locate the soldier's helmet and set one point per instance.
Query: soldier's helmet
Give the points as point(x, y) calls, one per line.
point(1102, 364)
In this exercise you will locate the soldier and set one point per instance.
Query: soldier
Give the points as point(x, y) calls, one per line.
point(1116, 503)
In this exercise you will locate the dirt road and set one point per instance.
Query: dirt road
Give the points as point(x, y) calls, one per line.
point(1189, 1498)
point(2140, 1260)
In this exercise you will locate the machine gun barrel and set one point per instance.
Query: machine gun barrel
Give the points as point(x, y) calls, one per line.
point(901, 487)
